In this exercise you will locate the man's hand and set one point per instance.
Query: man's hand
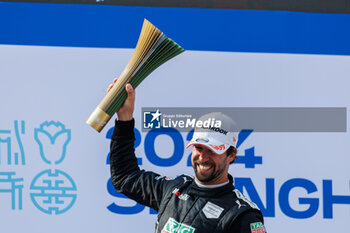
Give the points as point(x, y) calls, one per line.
point(125, 113)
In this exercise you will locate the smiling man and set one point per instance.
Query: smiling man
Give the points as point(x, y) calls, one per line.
point(207, 203)
point(213, 150)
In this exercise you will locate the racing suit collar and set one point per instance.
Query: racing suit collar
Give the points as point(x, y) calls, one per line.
point(212, 192)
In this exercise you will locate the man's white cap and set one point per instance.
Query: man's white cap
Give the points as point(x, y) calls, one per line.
point(214, 137)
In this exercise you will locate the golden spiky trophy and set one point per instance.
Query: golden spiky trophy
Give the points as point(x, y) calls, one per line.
point(152, 50)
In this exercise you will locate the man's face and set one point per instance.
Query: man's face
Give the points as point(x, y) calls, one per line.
point(210, 168)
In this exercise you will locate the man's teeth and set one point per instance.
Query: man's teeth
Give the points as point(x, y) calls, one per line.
point(204, 167)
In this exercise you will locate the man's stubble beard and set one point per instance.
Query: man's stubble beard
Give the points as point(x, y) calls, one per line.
point(215, 174)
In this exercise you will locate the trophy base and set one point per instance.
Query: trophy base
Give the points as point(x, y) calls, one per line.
point(98, 119)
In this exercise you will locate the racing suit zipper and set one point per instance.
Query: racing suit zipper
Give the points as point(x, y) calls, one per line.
point(189, 210)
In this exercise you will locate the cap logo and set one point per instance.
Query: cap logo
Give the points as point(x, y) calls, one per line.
point(221, 147)
point(204, 140)
point(216, 129)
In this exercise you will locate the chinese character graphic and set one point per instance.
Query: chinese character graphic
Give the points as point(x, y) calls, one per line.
point(7, 152)
point(13, 186)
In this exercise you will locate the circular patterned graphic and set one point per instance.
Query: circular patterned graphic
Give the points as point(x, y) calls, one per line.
point(53, 191)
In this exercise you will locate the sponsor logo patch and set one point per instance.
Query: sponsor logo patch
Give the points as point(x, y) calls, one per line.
point(181, 196)
point(257, 227)
point(239, 204)
point(203, 140)
point(212, 211)
point(173, 226)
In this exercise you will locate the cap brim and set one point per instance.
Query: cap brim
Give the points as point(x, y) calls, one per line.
point(213, 145)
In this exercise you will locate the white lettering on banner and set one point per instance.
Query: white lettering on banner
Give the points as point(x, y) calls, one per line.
point(191, 123)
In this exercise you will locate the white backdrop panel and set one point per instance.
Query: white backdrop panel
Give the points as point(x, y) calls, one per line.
point(40, 84)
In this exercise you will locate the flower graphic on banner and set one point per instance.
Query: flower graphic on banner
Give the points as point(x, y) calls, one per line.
point(53, 191)
point(52, 138)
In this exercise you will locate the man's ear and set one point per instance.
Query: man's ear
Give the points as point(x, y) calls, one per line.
point(235, 150)
point(232, 156)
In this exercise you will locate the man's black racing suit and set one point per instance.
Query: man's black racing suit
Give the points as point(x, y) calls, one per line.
point(182, 205)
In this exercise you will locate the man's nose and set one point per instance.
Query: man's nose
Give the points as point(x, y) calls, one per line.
point(203, 156)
